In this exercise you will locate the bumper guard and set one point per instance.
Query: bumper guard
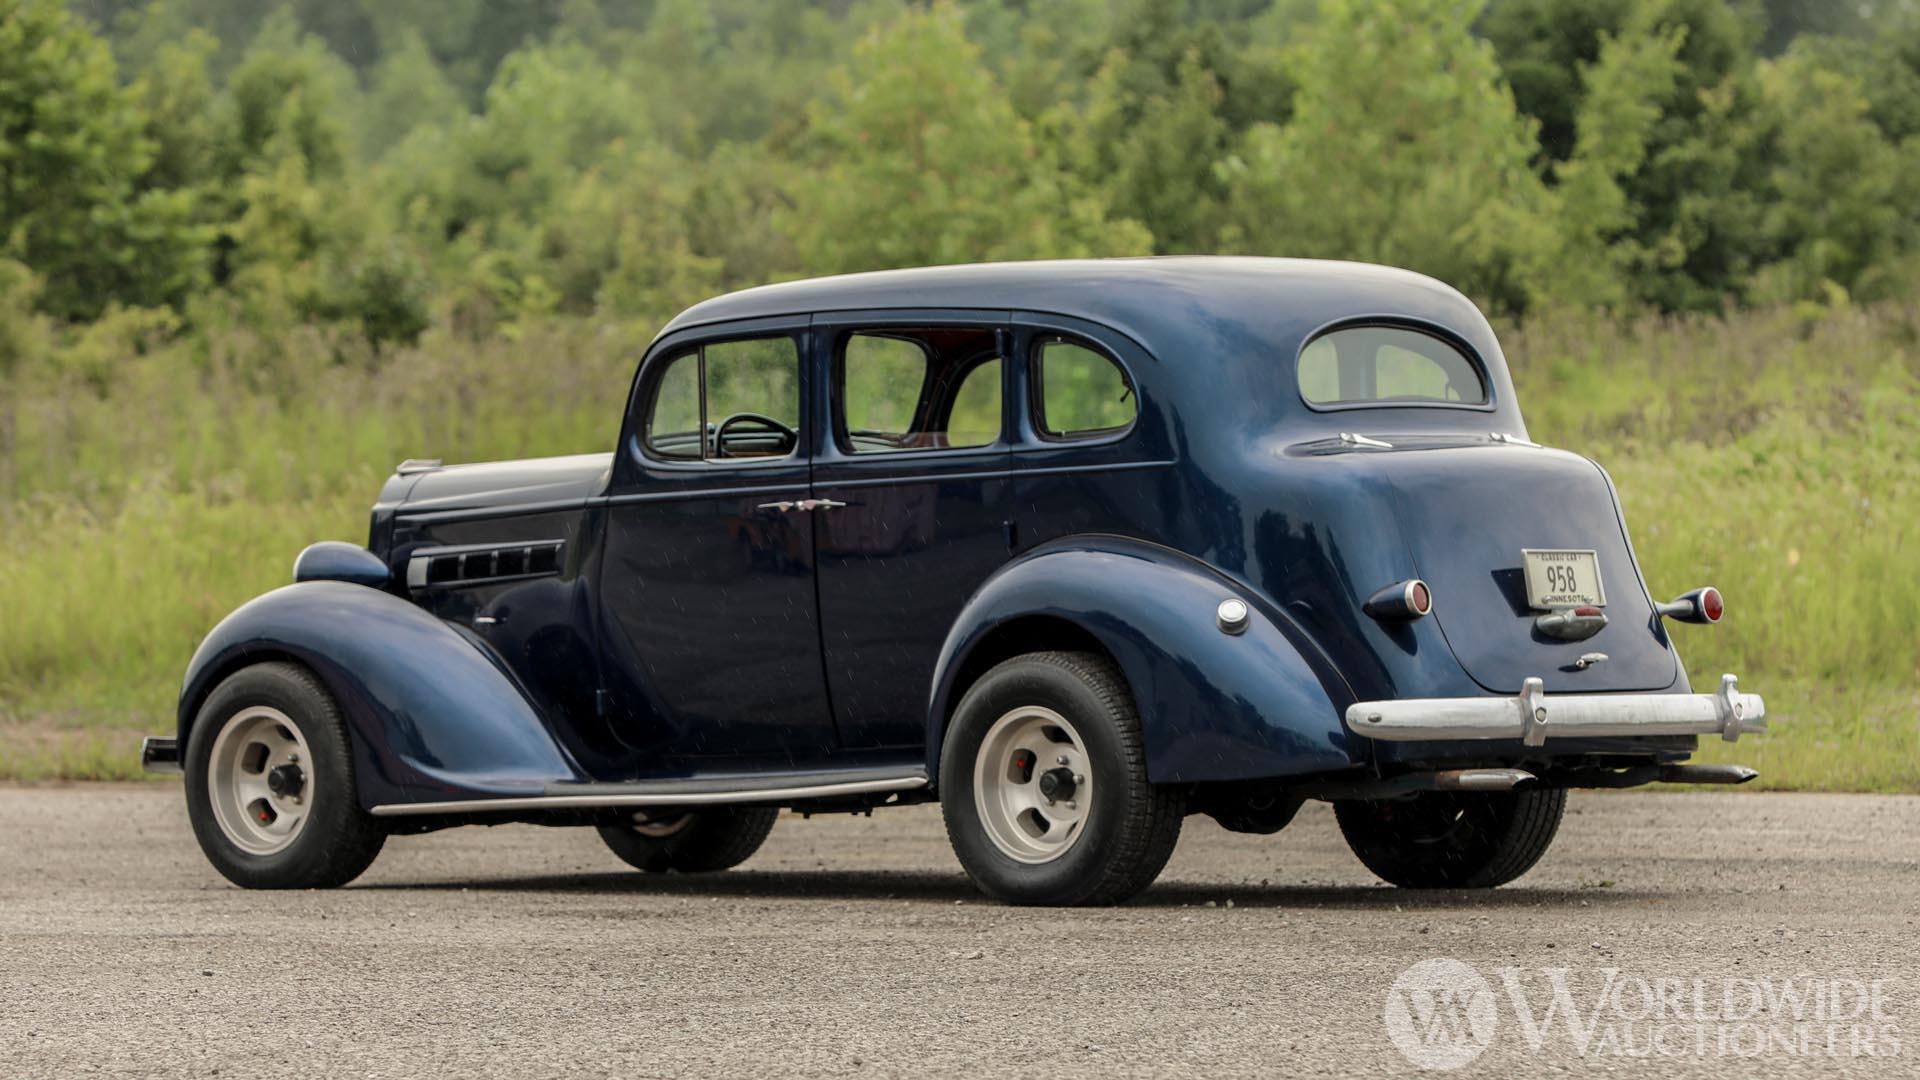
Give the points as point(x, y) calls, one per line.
point(1531, 715)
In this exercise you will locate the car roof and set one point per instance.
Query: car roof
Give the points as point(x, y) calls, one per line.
point(1168, 303)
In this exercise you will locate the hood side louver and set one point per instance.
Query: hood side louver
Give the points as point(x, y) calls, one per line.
point(482, 564)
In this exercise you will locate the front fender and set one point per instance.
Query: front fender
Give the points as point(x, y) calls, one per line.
point(1213, 706)
point(432, 717)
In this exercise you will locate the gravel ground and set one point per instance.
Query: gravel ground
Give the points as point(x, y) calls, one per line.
point(853, 946)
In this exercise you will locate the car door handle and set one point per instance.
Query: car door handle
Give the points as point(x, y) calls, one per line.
point(802, 504)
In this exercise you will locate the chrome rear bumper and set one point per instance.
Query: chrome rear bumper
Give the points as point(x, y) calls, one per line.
point(1532, 715)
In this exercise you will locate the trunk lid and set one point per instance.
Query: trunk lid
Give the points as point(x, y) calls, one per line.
point(1467, 511)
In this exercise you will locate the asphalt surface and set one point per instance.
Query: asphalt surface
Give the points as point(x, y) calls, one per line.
point(854, 947)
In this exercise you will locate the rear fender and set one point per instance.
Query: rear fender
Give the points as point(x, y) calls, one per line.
point(1213, 705)
point(432, 716)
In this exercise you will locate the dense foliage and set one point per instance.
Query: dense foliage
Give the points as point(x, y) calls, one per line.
point(386, 165)
point(252, 253)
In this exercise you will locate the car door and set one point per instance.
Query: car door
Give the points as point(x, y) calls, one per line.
point(911, 472)
point(710, 635)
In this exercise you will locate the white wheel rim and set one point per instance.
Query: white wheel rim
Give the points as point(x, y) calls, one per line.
point(258, 750)
point(1009, 790)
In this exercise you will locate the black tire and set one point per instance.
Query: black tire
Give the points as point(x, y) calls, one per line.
point(699, 842)
point(338, 840)
point(1131, 826)
point(1453, 840)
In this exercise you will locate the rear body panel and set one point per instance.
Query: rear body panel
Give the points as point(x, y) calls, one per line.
point(1467, 513)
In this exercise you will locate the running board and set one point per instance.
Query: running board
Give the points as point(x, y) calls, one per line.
point(698, 791)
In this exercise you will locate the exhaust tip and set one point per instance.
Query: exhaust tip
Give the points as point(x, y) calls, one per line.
point(1482, 779)
point(1707, 774)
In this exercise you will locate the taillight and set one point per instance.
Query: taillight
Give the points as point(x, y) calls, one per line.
point(1400, 601)
point(1702, 605)
point(1711, 605)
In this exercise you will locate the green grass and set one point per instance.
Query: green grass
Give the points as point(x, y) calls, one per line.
point(1772, 454)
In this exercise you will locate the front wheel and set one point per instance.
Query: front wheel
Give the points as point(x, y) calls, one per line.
point(1453, 839)
point(1043, 784)
point(693, 842)
point(269, 777)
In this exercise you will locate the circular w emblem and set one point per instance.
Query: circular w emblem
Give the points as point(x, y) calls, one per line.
point(1440, 1014)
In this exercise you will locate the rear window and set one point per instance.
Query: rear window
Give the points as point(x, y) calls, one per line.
point(1387, 365)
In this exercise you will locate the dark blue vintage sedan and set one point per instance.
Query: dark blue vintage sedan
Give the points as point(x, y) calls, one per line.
point(1076, 548)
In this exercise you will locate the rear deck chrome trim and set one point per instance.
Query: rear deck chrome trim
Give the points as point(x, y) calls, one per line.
point(669, 793)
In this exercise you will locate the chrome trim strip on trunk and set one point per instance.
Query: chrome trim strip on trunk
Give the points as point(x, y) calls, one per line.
point(652, 795)
point(1532, 715)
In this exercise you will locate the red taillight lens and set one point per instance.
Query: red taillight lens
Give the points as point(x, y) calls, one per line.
point(1711, 605)
point(1420, 598)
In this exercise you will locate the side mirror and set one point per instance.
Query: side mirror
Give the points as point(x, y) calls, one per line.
point(1702, 605)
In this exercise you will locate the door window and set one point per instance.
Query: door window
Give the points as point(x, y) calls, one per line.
point(935, 388)
point(1079, 393)
point(728, 400)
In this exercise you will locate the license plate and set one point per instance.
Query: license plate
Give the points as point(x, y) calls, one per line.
point(1563, 579)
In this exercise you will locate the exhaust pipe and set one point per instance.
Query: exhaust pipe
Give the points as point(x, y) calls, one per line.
point(1481, 779)
point(1706, 774)
point(1412, 783)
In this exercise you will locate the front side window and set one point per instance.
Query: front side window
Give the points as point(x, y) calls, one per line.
point(934, 388)
point(1079, 393)
point(728, 400)
point(1387, 365)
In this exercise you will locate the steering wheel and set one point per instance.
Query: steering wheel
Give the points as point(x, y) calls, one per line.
point(765, 423)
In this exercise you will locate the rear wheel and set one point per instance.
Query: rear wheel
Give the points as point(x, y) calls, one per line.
point(690, 842)
point(1453, 840)
point(269, 779)
point(1043, 783)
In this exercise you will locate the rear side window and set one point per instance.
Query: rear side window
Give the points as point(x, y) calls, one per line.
point(1387, 365)
point(1079, 393)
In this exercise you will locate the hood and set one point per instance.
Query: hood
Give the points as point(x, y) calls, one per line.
point(500, 484)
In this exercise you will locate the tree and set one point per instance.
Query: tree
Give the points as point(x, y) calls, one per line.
point(1843, 196)
point(72, 152)
point(1620, 95)
point(1151, 125)
point(919, 158)
point(1423, 163)
point(408, 91)
point(1703, 154)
